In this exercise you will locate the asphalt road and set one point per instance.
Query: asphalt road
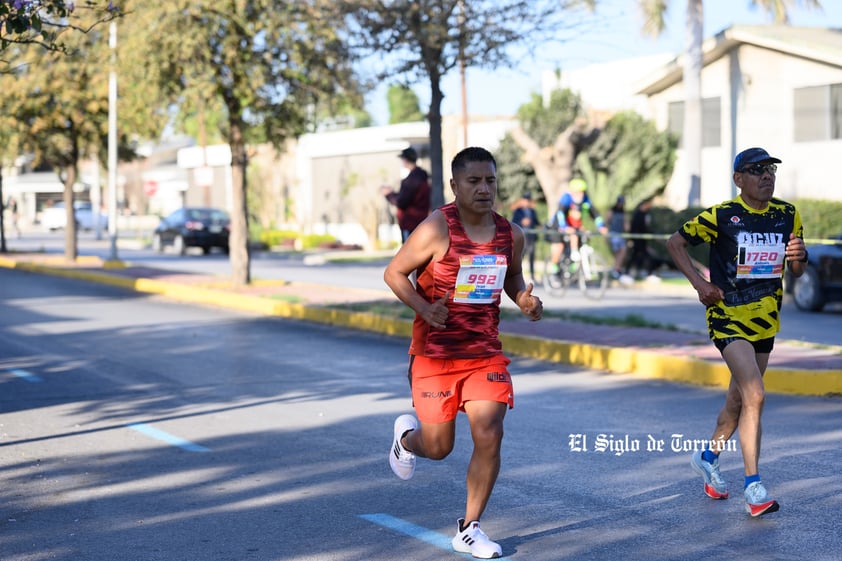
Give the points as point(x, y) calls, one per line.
point(136, 428)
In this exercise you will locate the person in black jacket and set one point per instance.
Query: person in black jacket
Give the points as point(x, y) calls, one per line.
point(413, 198)
point(641, 258)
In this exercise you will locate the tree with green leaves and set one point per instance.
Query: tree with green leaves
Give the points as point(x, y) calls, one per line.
point(43, 22)
point(424, 40)
point(404, 106)
point(523, 150)
point(517, 177)
point(630, 157)
point(625, 156)
point(654, 12)
point(269, 66)
point(59, 103)
point(551, 137)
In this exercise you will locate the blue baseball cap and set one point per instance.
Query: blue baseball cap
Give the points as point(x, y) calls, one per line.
point(753, 156)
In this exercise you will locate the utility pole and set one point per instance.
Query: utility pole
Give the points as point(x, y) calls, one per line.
point(2, 212)
point(462, 74)
point(112, 143)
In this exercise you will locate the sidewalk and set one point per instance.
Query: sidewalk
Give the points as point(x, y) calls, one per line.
point(643, 352)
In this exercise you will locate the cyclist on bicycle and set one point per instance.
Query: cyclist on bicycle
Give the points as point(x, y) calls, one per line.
point(572, 207)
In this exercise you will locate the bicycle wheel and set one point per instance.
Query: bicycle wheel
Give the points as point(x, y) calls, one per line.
point(593, 273)
point(555, 283)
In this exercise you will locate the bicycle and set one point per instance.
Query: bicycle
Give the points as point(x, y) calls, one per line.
point(585, 267)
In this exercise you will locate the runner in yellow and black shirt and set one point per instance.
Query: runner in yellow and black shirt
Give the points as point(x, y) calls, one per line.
point(752, 238)
point(747, 249)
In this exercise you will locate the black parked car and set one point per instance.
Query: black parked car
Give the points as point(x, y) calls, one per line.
point(193, 227)
point(822, 280)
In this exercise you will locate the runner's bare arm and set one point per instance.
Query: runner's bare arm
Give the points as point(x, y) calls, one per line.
point(708, 292)
point(428, 241)
point(515, 287)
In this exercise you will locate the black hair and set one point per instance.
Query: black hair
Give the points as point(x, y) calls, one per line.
point(469, 155)
point(409, 154)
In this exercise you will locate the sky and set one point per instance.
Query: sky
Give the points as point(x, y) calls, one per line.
point(612, 33)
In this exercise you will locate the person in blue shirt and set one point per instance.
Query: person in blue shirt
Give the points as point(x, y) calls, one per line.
point(526, 217)
point(567, 220)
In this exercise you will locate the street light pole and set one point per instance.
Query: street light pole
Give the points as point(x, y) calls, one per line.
point(112, 143)
point(462, 74)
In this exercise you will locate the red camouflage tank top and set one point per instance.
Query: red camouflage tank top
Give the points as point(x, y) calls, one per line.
point(472, 328)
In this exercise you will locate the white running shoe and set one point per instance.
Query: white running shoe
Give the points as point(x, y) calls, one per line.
point(758, 502)
point(401, 460)
point(474, 541)
point(715, 487)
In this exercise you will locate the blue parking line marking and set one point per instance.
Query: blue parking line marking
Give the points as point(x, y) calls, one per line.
point(409, 529)
point(163, 436)
point(414, 531)
point(24, 375)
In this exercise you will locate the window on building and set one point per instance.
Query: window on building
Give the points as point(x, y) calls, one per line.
point(675, 120)
point(711, 121)
point(817, 113)
point(836, 111)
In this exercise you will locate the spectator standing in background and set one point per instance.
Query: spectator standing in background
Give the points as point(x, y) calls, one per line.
point(641, 257)
point(413, 198)
point(526, 217)
point(12, 205)
point(619, 244)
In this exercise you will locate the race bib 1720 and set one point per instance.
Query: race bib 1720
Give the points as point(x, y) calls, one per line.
point(760, 261)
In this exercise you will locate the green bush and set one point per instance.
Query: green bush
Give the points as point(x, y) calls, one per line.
point(276, 238)
point(312, 241)
point(820, 218)
point(288, 238)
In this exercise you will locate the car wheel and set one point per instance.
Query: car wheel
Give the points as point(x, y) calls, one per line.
point(157, 244)
point(178, 245)
point(807, 291)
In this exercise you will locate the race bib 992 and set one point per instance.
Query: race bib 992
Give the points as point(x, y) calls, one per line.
point(480, 279)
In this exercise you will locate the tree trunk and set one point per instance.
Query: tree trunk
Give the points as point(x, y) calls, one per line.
point(553, 165)
point(70, 237)
point(238, 240)
point(436, 157)
point(2, 214)
point(692, 133)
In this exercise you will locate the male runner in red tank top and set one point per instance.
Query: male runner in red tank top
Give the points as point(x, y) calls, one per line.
point(466, 255)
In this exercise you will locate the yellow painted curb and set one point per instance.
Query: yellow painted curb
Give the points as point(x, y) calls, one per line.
point(637, 362)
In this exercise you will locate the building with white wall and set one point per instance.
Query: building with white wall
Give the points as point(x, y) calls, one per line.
point(775, 86)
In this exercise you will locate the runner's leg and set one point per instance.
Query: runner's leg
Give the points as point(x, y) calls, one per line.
point(431, 440)
point(747, 376)
point(486, 420)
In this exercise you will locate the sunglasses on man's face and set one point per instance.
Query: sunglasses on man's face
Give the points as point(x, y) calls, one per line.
point(759, 169)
